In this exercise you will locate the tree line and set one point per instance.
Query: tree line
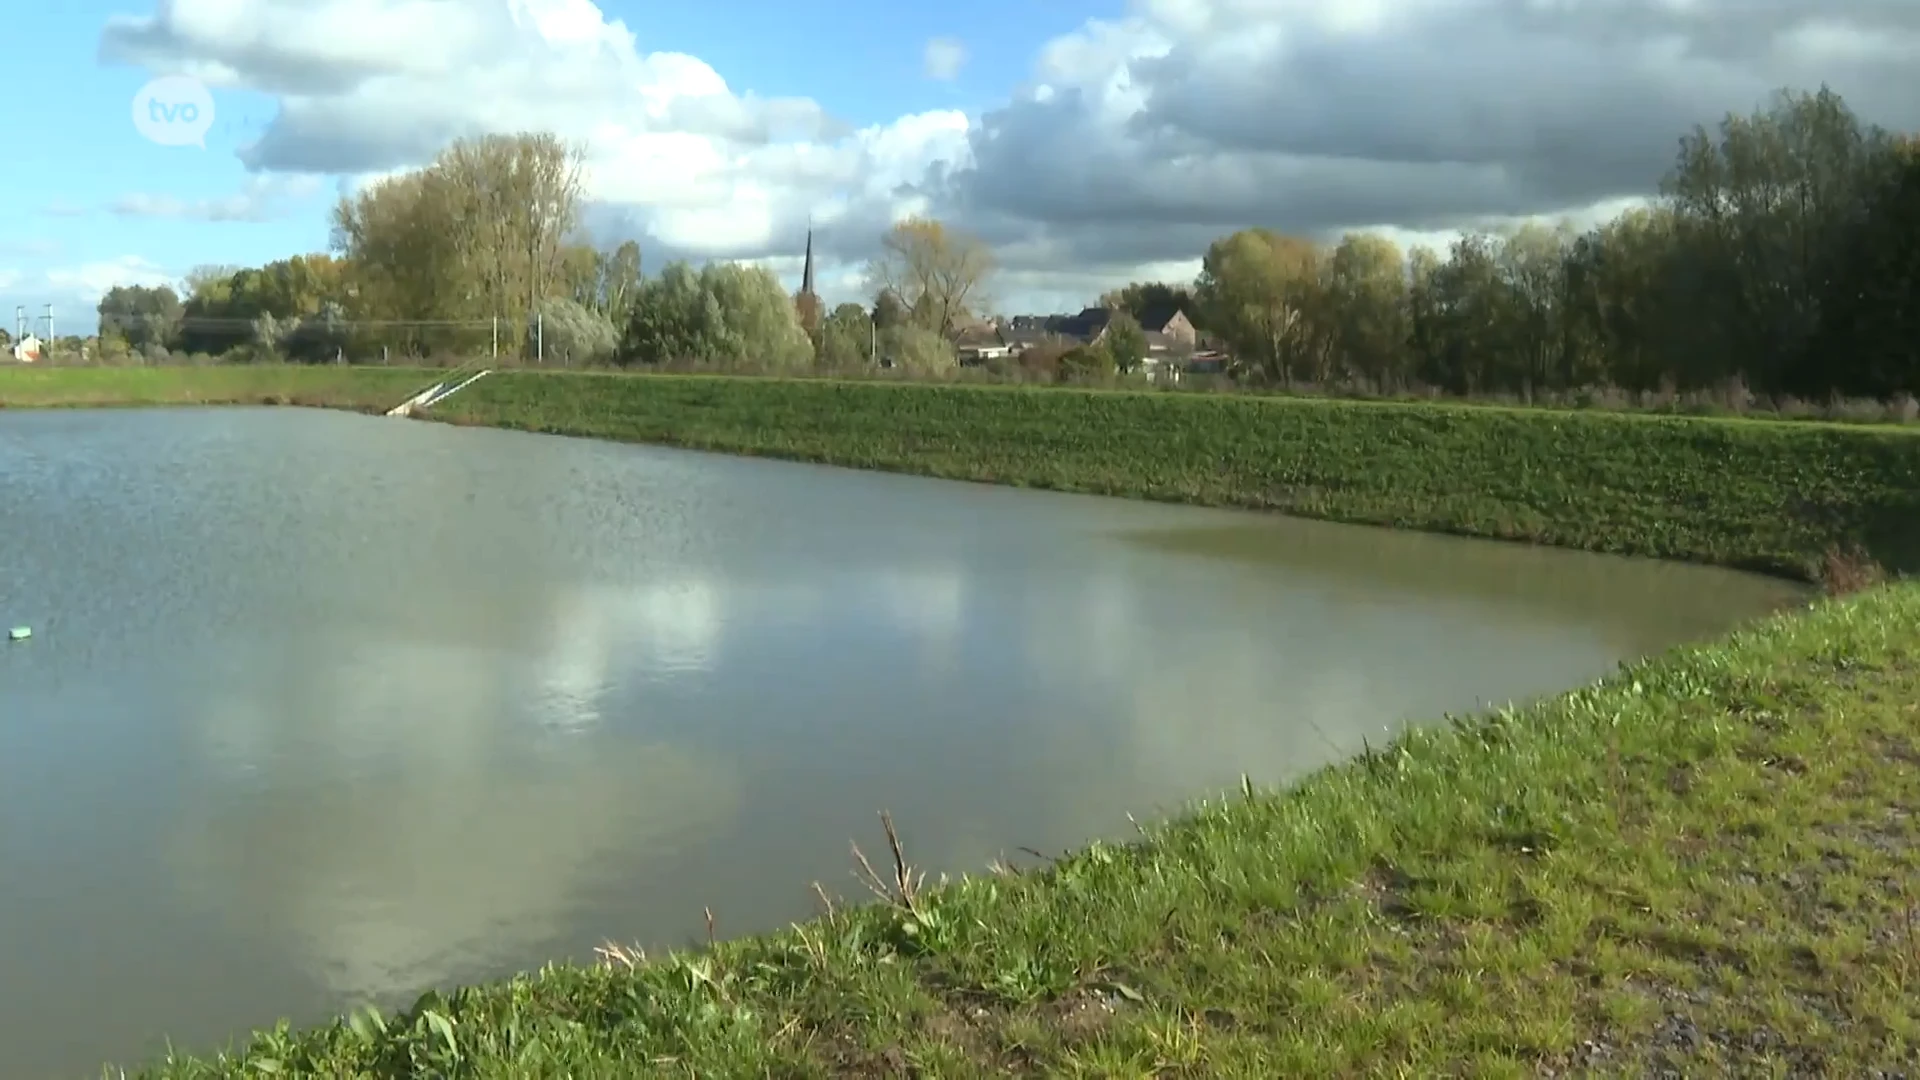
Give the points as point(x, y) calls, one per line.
point(1782, 255)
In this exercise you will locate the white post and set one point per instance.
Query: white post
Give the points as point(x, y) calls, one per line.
point(539, 337)
point(496, 337)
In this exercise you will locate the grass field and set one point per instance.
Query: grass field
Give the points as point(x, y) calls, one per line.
point(1772, 496)
point(1706, 865)
point(358, 388)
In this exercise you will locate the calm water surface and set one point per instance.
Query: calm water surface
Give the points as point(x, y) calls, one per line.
point(323, 708)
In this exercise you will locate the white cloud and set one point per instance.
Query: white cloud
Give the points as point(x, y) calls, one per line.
point(674, 153)
point(1137, 140)
point(944, 58)
point(263, 197)
point(97, 277)
point(74, 290)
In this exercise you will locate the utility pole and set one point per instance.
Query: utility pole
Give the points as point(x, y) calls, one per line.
point(49, 332)
point(534, 222)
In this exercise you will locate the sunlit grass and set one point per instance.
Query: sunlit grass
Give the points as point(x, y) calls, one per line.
point(1769, 496)
point(332, 386)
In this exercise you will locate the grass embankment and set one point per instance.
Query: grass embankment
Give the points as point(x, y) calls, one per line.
point(1763, 495)
point(359, 388)
point(1707, 864)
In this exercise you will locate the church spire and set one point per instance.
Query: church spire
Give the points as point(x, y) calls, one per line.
point(806, 270)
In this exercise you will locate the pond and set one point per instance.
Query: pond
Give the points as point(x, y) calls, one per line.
point(322, 708)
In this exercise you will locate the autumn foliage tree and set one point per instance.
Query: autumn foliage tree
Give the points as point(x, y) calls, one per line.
point(937, 273)
point(481, 233)
point(1260, 291)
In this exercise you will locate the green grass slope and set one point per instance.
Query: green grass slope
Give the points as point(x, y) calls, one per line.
point(342, 387)
point(1770, 496)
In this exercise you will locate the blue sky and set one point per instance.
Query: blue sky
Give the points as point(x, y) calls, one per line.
point(1090, 142)
point(120, 208)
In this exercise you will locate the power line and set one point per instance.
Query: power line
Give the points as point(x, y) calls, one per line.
point(239, 323)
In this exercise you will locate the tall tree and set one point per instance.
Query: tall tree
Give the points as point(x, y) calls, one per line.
point(481, 233)
point(1761, 203)
point(675, 320)
point(888, 310)
point(918, 350)
point(937, 272)
point(1146, 299)
point(1532, 264)
point(144, 317)
point(1125, 342)
point(1367, 306)
point(725, 313)
point(1868, 341)
point(847, 338)
point(1257, 288)
point(408, 262)
point(513, 199)
point(575, 335)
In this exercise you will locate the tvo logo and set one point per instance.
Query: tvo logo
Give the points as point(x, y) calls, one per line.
point(174, 110)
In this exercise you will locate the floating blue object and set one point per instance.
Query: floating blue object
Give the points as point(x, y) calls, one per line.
point(20, 633)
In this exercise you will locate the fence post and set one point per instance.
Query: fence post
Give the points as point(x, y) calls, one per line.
point(496, 337)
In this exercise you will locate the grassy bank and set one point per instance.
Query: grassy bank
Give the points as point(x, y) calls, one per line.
point(358, 388)
point(1709, 864)
point(1762, 495)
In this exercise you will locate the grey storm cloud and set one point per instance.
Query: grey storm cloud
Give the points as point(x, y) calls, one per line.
point(1445, 118)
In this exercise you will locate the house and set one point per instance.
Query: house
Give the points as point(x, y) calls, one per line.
point(1021, 338)
point(977, 344)
point(1171, 337)
point(1086, 327)
point(1168, 330)
point(27, 349)
point(1172, 325)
